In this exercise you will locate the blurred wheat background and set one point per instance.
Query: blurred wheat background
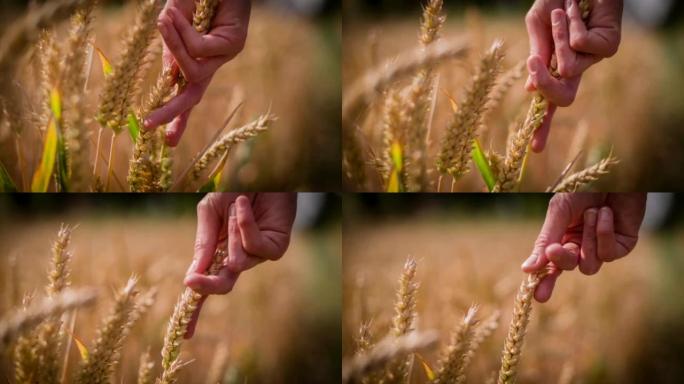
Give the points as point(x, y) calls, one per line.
point(628, 103)
point(290, 64)
point(281, 323)
point(622, 325)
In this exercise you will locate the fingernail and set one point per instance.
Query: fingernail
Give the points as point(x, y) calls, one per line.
point(604, 213)
point(556, 18)
point(192, 267)
point(568, 4)
point(231, 210)
point(530, 261)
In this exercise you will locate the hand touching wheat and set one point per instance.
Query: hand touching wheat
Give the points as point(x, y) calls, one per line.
point(254, 228)
point(198, 56)
point(559, 27)
point(585, 230)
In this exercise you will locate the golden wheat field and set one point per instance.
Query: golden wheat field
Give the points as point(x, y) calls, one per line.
point(625, 106)
point(622, 325)
point(280, 323)
point(287, 71)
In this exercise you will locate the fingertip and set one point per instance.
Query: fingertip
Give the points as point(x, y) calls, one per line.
point(538, 144)
point(171, 137)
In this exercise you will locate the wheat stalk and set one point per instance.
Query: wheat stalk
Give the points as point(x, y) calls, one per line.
point(178, 324)
point(224, 144)
point(459, 352)
point(586, 176)
point(17, 323)
point(104, 354)
point(385, 351)
point(516, 331)
point(219, 364)
point(456, 146)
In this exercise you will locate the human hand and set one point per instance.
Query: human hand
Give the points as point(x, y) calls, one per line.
point(577, 44)
point(256, 228)
point(585, 230)
point(197, 56)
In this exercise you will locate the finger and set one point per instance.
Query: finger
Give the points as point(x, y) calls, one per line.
point(221, 41)
point(539, 34)
point(545, 288)
point(206, 238)
point(236, 253)
point(605, 235)
point(218, 284)
point(253, 239)
point(175, 130)
point(190, 331)
point(541, 135)
point(570, 63)
point(564, 256)
point(601, 41)
point(589, 263)
point(193, 70)
point(557, 91)
point(558, 217)
point(529, 85)
point(188, 98)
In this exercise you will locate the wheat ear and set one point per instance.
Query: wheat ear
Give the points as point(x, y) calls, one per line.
point(73, 81)
point(47, 338)
point(104, 354)
point(15, 324)
point(392, 135)
point(459, 352)
point(454, 156)
point(117, 96)
point(516, 331)
point(404, 317)
point(224, 144)
point(385, 351)
point(518, 147)
point(178, 324)
point(145, 368)
point(417, 102)
point(586, 176)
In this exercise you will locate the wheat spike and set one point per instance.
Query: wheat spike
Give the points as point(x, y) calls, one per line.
point(145, 368)
point(516, 331)
point(392, 134)
point(459, 352)
point(17, 323)
point(486, 328)
point(456, 147)
point(579, 179)
point(178, 324)
point(73, 80)
point(385, 351)
point(204, 13)
point(518, 147)
point(505, 83)
point(117, 97)
point(50, 68)
point(104, 354)
point(224, 144)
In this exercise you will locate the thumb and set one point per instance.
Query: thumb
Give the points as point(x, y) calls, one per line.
point(558, 218)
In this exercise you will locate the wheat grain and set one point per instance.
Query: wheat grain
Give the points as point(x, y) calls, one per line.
point(385, 351)
point(178, 324)
point(586, 176)
point(104, 354)
point(15, 324)
point(459, 352)
point(522, 308)
point(226, 142)
point(456, 146)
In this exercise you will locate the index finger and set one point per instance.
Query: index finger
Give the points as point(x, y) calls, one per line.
point(206, 237)
point(558, 218)
point(539, 33)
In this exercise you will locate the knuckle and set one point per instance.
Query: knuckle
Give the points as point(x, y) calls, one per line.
point(531, 16)
point(578, 41)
